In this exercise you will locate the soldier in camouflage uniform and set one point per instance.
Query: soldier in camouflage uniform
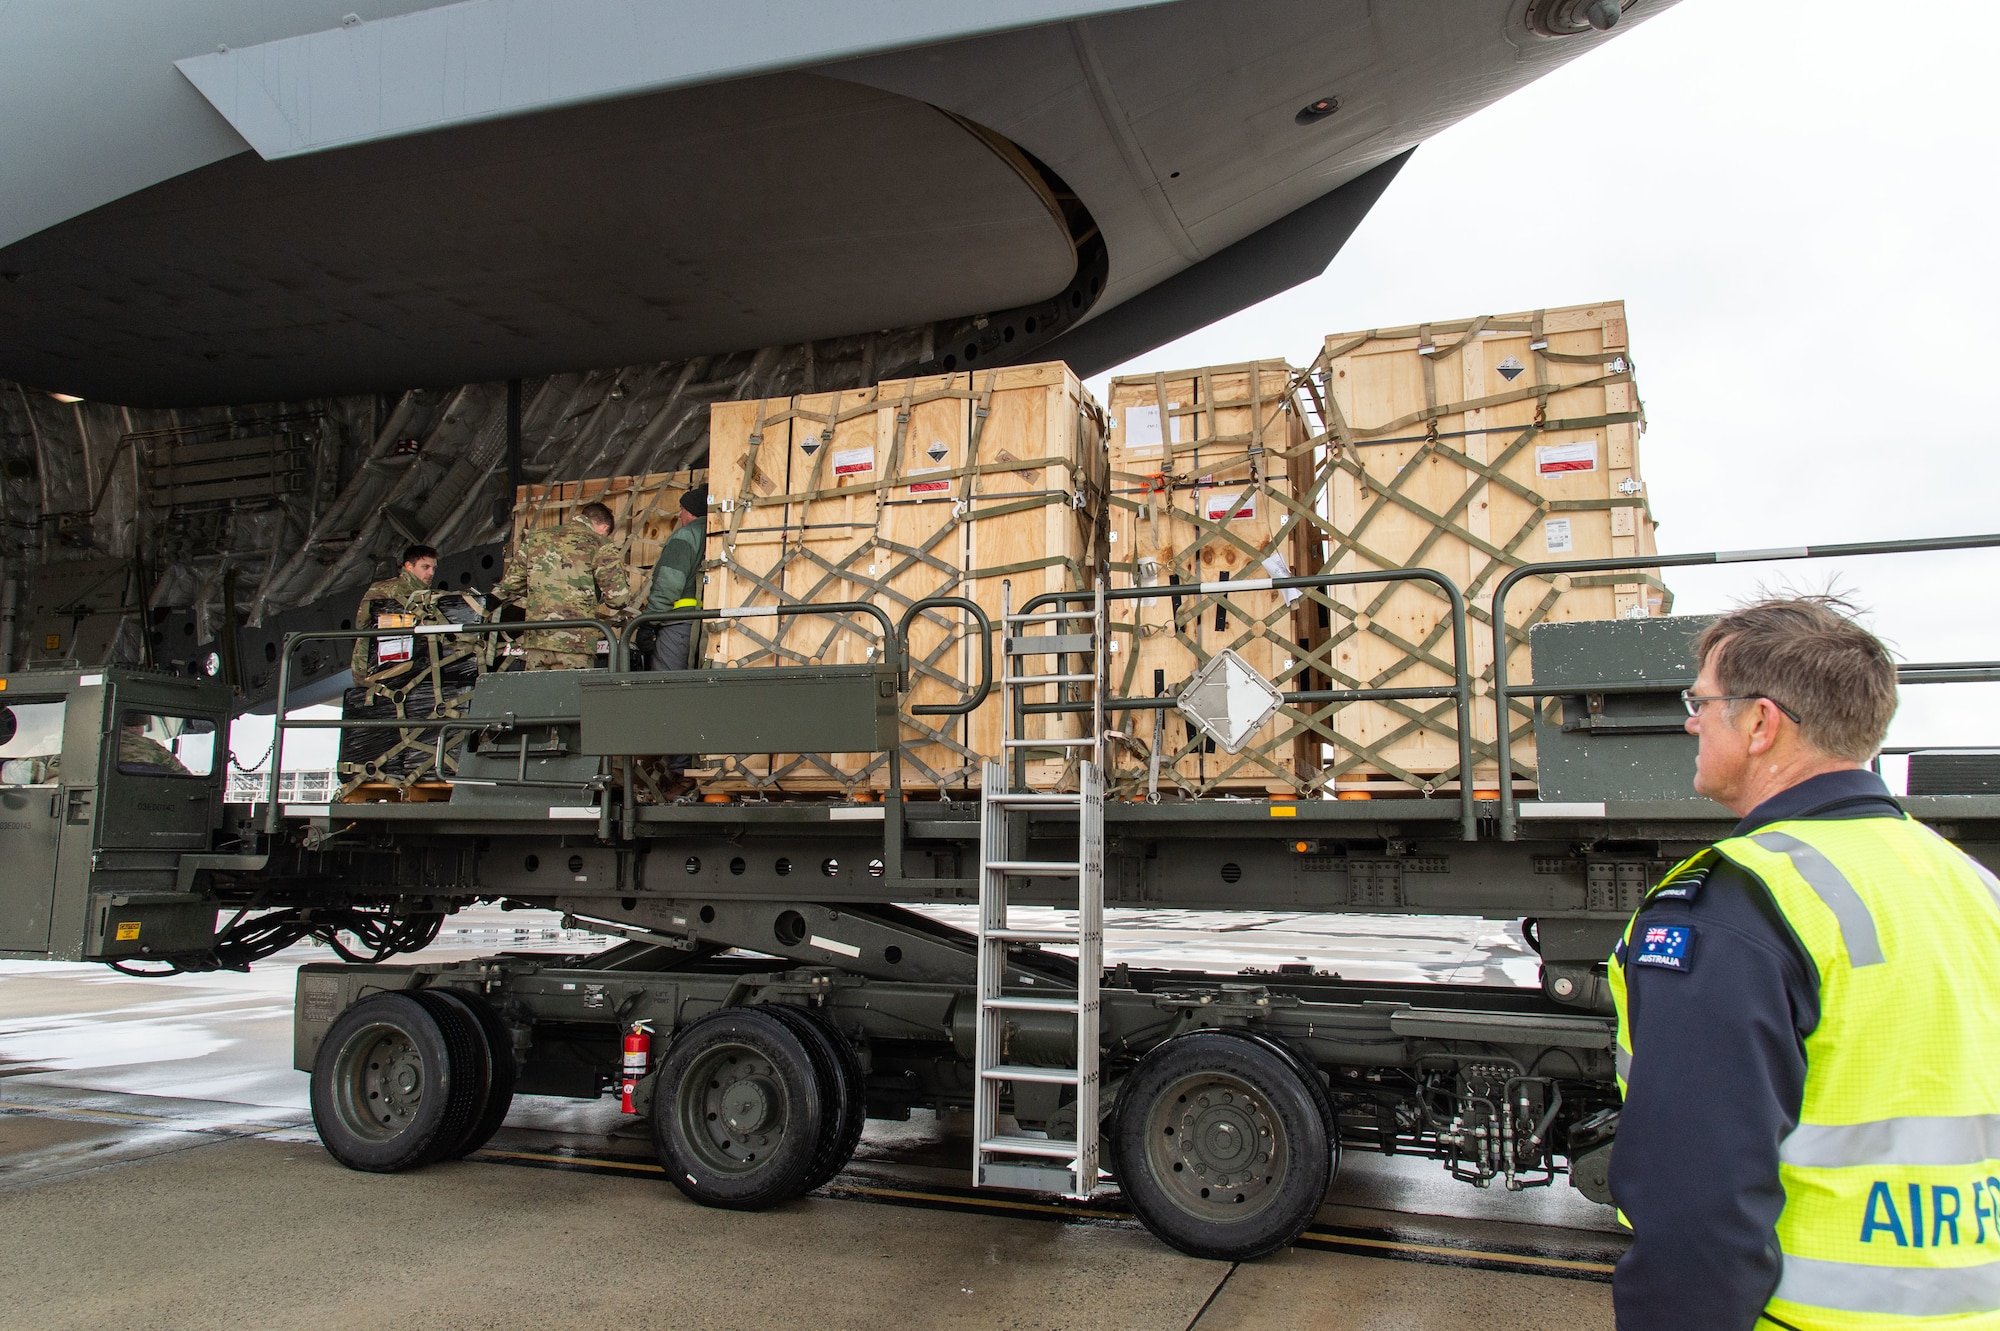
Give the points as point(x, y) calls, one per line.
point(569, 572)
point(406, 593)
point(140, 753)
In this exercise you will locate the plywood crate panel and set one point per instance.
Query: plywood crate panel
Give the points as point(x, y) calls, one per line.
point(1211, 482)
point(941, 486)
point(1471, 448)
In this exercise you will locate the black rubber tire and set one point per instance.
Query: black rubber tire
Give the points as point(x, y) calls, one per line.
point(1225, 1090)
point(843, 1092)
point(471, 1079)
point(752, 1066)
point(1321, 1096)
point(428, 1058)
point(501, 1071)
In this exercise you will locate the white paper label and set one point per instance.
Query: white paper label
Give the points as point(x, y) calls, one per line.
point(1555, 534)
point(1142, 427)
point(1276, 566)
point(1215, 505)
point(1556, 459)
point(853, 461)
point(929, 487)
point(396, 649)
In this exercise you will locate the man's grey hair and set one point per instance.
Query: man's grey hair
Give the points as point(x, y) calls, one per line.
point(1807, 654)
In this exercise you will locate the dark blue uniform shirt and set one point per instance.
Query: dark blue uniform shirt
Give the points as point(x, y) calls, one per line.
point(1718, 1074)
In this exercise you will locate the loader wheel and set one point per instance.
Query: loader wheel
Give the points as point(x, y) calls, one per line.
point(843, 1095)
point(393, 1079)
point(1222, 1150)
point(497, 1042)
point(737, 1113)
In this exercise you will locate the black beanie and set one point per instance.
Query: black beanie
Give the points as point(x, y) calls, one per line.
point(695, 501)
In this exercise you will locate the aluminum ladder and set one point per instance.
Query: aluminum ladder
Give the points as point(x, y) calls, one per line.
point(1041, 1164)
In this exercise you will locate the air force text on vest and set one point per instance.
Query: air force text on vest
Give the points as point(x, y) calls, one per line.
point(1896, 1213)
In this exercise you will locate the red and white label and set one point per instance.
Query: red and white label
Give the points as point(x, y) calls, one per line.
point(929, 487)
point(853, 461)
point(1555, 459)
point(1215, 504)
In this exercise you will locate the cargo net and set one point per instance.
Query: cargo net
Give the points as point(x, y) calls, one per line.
point(943, 486)
point(425, 677)
point(1267, 473)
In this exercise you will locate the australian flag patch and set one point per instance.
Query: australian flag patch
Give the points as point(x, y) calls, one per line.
point(1668, 946)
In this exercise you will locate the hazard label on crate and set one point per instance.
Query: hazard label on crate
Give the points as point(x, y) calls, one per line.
point(1556, 459)
point(853, 461)
point(1510, 369)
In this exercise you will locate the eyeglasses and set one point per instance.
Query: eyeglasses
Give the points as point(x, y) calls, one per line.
point(1694, 702)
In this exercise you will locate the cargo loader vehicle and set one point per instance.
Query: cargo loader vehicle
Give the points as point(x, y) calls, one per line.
point(775, 957)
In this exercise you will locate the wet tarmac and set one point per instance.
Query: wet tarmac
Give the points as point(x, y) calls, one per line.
point(158, 1168)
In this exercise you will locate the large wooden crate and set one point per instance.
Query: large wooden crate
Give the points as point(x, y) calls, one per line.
point(645, 510)
point(1211, 482)
point(1470, 447)
point(948, 485)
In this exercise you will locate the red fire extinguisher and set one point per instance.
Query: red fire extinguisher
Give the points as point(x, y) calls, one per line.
point(638, 1055)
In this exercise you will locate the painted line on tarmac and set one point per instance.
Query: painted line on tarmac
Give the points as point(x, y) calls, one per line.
point(1356, 1242)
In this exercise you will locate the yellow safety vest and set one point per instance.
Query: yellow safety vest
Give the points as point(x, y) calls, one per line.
point(1892, 1177)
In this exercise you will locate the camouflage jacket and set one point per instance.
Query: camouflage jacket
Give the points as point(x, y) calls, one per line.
point(141, 753)
point(566, 572)
point(406, 591)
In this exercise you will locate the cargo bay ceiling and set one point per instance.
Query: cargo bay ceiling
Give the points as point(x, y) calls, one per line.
point(311, 243)
point(229, 201)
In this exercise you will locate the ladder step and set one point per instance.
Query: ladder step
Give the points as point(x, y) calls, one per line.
point(1049, 644)
point(1018, 1003)
point(1035, 801)
point(1042, 1146)
point(1018, 1072)
point(1048, 616)
point(1051, 743)
point(1034, 935)
point(1028, 681)
point(1037, 868)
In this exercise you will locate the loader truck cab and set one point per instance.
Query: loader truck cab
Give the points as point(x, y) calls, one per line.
point(108, 778)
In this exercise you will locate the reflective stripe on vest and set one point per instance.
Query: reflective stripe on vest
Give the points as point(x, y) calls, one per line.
point(685, 602)
point(1892, 1178)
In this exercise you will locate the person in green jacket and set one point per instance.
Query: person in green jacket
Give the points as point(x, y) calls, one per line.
point(677, 586)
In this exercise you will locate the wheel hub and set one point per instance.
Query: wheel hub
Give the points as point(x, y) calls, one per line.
point(379, 1083)
point(1216, 1147)
point(746, 1106)
point(733, 1109)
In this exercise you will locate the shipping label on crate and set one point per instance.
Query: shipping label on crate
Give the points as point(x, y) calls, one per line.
point(1142, 427)
point(853, 461)
point(394, 651)
point(1215, 505)
point(1556, 536)
point(1561, 459)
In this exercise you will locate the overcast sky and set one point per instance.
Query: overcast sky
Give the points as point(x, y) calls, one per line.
point(1796, 203)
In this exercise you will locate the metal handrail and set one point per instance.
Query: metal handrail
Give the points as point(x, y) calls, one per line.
point(293, 640)
point(1460, 689)
point(621, 653)
point(1503, 692)
point(979, 695)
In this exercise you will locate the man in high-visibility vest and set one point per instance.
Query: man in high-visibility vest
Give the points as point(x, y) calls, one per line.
point(1808, 1019)
point(677, 586)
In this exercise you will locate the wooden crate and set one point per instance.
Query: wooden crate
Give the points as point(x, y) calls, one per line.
point(645, 510)
point(1211, 481)
point(1469, 447)
point(947, 485)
